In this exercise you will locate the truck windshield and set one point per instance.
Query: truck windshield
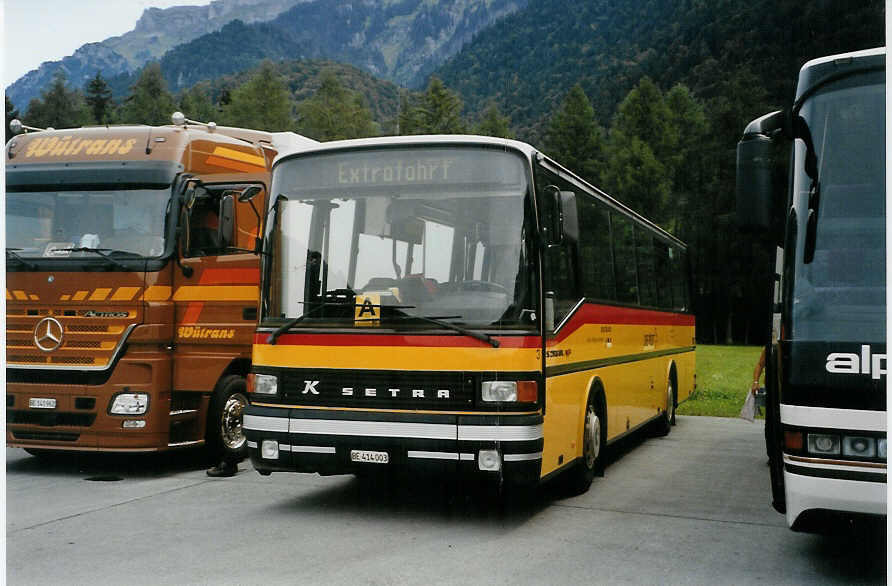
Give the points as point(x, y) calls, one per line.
point(123, 223)
point(841, 295)
point(437, 233)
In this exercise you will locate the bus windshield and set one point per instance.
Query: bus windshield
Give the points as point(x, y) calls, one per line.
point(123, 222)
point(841, 295)
point(421, 233)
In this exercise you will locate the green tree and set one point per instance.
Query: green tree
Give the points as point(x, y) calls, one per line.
point(99, 98)
point(261, 103)
point(149, 101)
point(492, 123)
point(196, 104)
point(409, 116)
point(58, 106)
point(335, 113)
point(644, 114)
point(439, 110)
point(573, 136)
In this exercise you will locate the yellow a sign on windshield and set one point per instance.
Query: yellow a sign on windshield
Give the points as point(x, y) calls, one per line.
point(368, 310)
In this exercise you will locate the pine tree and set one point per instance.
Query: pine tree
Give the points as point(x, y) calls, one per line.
point(99, 99)
point(492, 123)
point(262, 103)
point(573, 136)
point(196, 104)
point(149, 102)
point(408, 121)
point(58, 106)
point(439, 110)
point(335, 113)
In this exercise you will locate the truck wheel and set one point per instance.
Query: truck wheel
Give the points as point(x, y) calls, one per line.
point(225, 437)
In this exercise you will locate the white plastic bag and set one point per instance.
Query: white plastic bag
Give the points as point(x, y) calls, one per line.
point(749, 407)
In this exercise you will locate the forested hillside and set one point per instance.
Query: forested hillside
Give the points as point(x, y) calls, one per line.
point(528, 61)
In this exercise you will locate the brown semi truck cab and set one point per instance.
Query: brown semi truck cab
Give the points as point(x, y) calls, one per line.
point(132, 284)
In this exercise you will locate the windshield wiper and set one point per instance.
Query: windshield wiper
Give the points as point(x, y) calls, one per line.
point(11, 254)
point(103, 252)
point(440, 321)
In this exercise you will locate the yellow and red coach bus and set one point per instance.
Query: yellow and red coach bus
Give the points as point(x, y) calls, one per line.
point(464, 303)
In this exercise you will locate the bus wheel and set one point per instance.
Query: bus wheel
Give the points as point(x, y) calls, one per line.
point(225, 437)
point(593, 440)
point(664, 426)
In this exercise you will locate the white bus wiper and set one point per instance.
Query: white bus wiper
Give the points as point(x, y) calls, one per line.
point(103, 252)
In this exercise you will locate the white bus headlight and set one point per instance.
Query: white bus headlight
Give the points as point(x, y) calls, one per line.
point(819, 443)
point(266, 384)
point(862, 447)
point(881, 448)
point(129, 404)
point(524, 391)
point(499, 390)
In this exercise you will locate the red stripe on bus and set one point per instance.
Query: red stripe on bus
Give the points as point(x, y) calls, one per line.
point(457, 341)
point(592, 313)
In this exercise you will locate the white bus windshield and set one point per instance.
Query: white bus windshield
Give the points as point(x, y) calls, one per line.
point(433, 233)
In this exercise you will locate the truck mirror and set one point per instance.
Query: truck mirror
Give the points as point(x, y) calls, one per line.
point(249, 193)
point(226, 221)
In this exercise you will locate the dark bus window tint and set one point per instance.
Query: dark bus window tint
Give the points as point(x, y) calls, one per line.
point(560, 259)
point(647, 289)
point(664, 275)
point(624, 255)
point(595, 250)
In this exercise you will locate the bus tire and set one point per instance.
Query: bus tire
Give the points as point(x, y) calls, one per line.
point(667, 419)
point(594, 440)
point(225, 438)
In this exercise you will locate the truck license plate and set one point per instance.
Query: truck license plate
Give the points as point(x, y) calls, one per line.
point(369, 456)
point(40, 403)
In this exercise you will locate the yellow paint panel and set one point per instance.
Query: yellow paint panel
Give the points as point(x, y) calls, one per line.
point(33, 297)
point(157, 293)
point(100, 294)
point(79, 296)
point(397, 358)
point(8, 295)
point(240, 156)
point(20, 295)
point(217, 293)
point(124, 293)
point(64, 297)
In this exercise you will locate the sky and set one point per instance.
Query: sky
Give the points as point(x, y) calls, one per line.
point(35, 31)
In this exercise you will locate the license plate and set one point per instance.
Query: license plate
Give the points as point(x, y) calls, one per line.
point(38, 403)
point(369, 456)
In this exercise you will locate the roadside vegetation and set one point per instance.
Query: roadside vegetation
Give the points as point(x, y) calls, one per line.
point(724, 376)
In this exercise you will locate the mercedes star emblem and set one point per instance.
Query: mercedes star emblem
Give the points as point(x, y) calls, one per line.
point(48, 334)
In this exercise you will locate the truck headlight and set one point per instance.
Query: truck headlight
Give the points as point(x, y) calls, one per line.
point(266, 384)
point(129, 404)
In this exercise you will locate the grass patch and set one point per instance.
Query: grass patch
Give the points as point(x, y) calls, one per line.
point(724, 376)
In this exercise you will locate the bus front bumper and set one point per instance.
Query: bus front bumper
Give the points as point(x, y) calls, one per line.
point(504, 447)
point(828, 491)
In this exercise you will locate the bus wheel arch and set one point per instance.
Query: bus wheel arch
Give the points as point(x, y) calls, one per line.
point(593, 440)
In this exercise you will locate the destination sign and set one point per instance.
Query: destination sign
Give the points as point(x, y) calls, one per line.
point(420, 166)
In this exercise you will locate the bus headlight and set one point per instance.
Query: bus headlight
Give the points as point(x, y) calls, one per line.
point(266, 384)
point(501, 391)
point(129, 404)
point(862, 447)
point(881, 448)
point(821, 443)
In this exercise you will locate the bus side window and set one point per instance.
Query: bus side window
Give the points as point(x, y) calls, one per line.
point(595, 250)
point(624, 259)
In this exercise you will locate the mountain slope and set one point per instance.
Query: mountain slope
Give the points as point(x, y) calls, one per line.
point(157, 31)
point(400, 41)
